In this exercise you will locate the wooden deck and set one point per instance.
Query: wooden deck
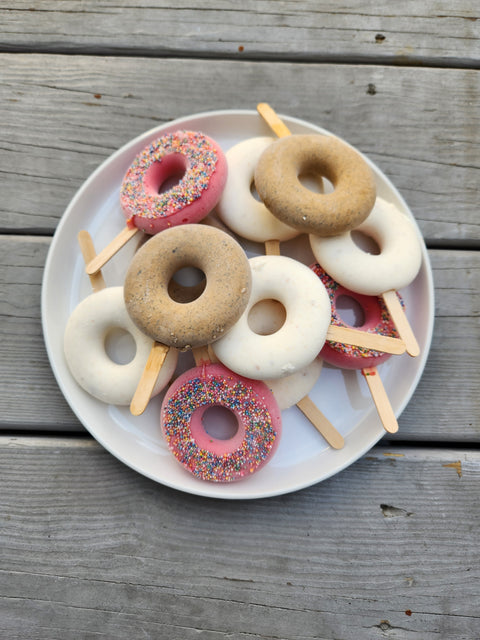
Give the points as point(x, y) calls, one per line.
point(387, 549)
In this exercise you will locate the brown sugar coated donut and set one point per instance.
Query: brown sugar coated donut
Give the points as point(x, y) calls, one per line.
point(203, 320)
point(323, 214)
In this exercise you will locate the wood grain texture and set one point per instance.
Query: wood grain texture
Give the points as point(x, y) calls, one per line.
point(433, 32)
point(445, 390)
point(92, 549)
point(386, 549)
point(64, 115)
point(30, 397)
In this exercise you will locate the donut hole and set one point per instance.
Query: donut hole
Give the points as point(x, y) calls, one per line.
point(120, 346)
point(314, 182)
point(220, 423)
point(161, 176)
point(350, 311)
point(267, 317)
point(366, 243)
point(315, 177)
point(187, 284)
point(254, 192)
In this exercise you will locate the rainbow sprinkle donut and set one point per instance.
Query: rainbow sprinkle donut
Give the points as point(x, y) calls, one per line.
point(190, 154)
point(376, 320)
point(203, 455)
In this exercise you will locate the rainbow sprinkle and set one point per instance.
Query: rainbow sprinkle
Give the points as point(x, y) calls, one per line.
point(201, 157)
point(234, 394)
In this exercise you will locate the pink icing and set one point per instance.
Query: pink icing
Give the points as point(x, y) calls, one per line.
point(210, 458)
point(376, 320)
point(198, 164)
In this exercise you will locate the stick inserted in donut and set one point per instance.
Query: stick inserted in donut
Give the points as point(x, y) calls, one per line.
point(278, 185)
point(337, 333)
point(376, 320)
point(199, 168)
point(86, 332)
point(185, 324)
point(372, 274)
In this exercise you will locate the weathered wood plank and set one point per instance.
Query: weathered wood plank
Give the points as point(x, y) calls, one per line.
point(30, 398)
point(436, 408)
point(387, 548)
point(435, 32)
point(63, 116)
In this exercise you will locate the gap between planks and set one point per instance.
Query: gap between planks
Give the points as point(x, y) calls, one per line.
point(366, 60)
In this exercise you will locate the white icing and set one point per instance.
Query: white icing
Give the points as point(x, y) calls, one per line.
point(238, 208)
point(394, 267)
point(85, 351)
point(300, 338)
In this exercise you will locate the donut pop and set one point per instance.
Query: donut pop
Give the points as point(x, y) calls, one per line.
point(298, 341)
point(375, 319)
point(347, 335)
point(84, 342)
point(190, 154)
point(278, 185)
point(184, 325)
point(213, 459)
point(381, 274)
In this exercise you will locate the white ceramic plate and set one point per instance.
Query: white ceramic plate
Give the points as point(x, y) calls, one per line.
point(303, 457)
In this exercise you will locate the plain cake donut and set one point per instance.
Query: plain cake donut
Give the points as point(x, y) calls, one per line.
point(325, 214)
point(201, 321)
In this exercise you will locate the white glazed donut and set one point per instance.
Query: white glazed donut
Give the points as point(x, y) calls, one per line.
point(291, 389)
point(394, 267)
point(298, 341)
point(84, 348)
point(267, 317)
point(238, 208)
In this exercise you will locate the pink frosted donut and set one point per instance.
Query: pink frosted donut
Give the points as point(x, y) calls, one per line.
point(203, 167)
point(376, 320)
point(207, 457)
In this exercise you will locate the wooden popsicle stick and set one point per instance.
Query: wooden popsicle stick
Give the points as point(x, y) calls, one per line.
point(380, 398)
point(376, 341)
point(88, 252)
point(272, 247)
point(145, 387)
point(201, 355)
point(401, 322)
point(273, 121)
point(320, 422)
point(211, 355)
point(158, 352)
point(110, 250)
